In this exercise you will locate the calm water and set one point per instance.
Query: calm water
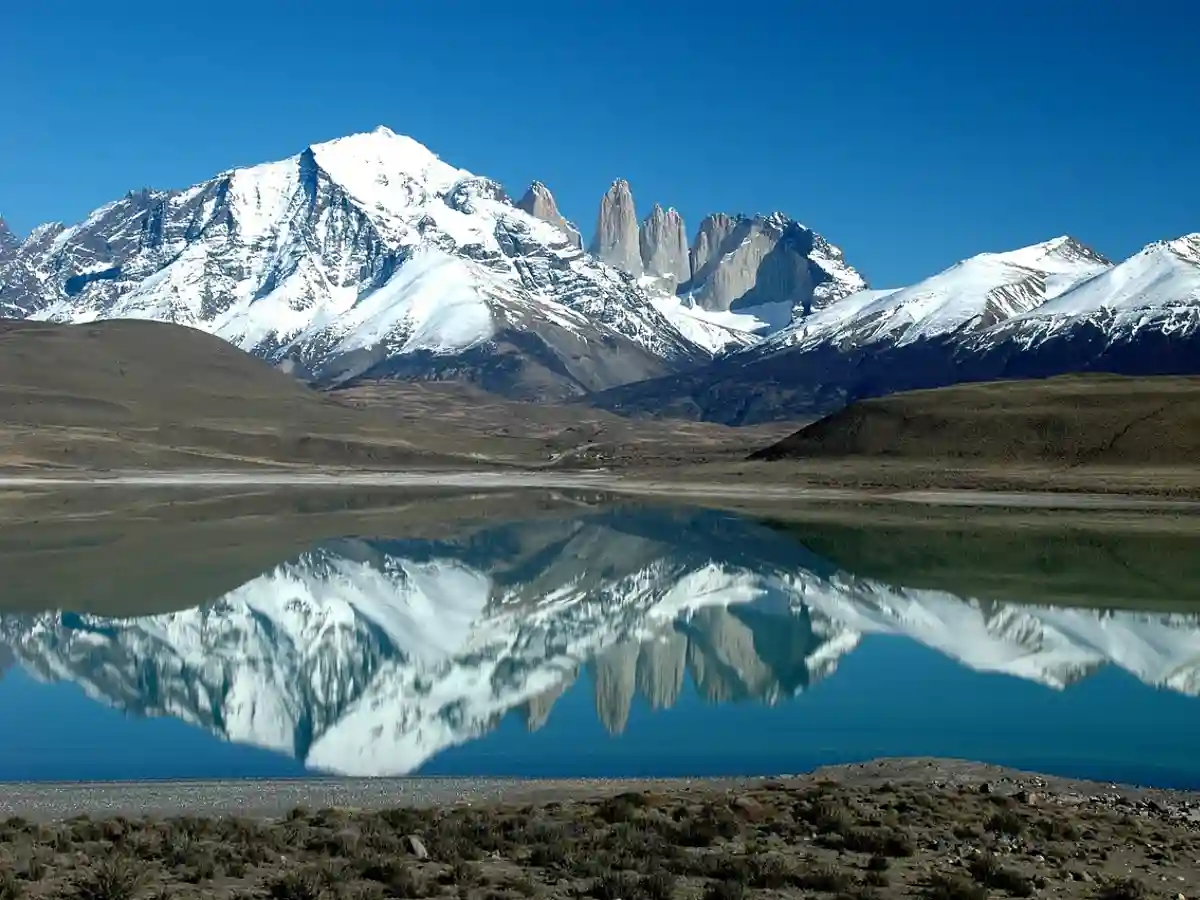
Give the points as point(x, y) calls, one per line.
point(621, 640)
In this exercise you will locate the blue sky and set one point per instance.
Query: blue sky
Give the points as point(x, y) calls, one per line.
point(912, 134)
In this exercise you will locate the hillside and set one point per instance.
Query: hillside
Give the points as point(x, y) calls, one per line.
point(131, 393)
point(127, 393)
point(1072, 420)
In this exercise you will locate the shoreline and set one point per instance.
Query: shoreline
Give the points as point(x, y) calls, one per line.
point(473, 479)
point(273, 797)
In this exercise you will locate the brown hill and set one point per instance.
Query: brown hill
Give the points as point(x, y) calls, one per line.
point(128, 393)
point(1071, 420)
point(132, 394)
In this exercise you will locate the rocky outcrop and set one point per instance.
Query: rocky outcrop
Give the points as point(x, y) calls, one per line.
point(742, 262)
point(616, 241)
point(712, 234)
point(539, 202)
point(664, 248)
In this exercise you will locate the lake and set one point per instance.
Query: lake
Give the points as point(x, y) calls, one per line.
point(581, 635)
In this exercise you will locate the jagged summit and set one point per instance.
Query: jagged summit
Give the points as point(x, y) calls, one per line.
point(616, 241)
point(9, 242)
point(754, 274)
point(538, 201)
point(663, 246)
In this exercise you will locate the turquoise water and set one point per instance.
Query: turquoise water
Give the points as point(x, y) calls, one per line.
point(616, 642)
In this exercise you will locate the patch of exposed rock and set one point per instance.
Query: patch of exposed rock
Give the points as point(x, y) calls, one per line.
point(539, 202)
point(617, 240)
point(664, 248)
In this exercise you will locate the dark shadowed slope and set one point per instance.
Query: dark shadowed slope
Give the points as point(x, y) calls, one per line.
point(1089, 419)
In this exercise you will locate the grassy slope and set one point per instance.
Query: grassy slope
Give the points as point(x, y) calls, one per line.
point(130, 394)
point(1071, 420)
point(123, 393)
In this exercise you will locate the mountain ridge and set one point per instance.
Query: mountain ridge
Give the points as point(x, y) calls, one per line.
point(306, 262)
point(1052, 308)
point(370, 257)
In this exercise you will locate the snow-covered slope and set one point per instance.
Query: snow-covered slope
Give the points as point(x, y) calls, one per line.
point(1156, 290)
point(716, 332)
point(973, 294)
point(1049, 309)
point(1052, 646)
point(353, 252)
point(371, 657)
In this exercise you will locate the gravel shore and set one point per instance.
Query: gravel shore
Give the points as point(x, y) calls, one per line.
point(275, 797)
point(903, 828)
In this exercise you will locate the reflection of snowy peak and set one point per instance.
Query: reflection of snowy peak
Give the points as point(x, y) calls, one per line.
point(347, 257)
point(1052, 646)
point(370, 657)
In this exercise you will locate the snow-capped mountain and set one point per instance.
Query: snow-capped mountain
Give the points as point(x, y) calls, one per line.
point(370, 657)
point(971, 295)
point(749, 275)
point(358, 256)
point(1048, 309)
point(1155, 293)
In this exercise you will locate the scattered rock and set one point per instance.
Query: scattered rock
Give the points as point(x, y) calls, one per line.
point(416, 846)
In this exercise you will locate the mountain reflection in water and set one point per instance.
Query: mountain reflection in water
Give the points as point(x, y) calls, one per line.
point(371, 657)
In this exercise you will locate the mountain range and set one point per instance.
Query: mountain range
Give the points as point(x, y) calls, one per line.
point(369, 257)
point(369, 657)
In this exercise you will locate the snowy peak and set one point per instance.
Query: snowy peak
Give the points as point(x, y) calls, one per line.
point(1063, 253)
point(971, 295)
point(1187, 248)
point(366, 255)
point(386, 173)
point(1154, 292)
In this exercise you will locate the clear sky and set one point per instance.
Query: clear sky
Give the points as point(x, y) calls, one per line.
point(910, 133)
